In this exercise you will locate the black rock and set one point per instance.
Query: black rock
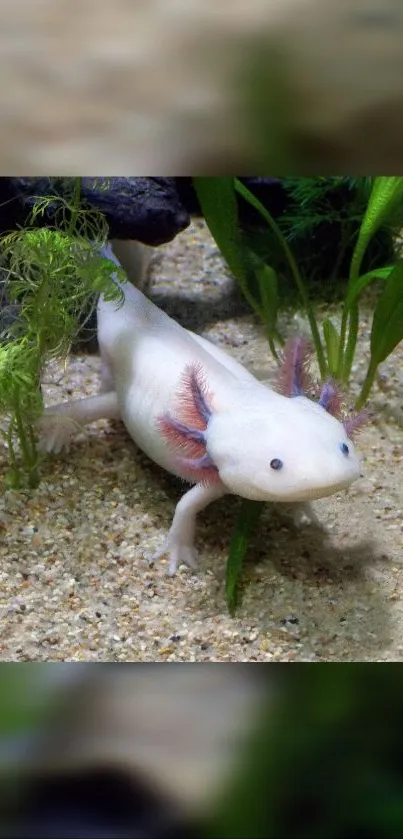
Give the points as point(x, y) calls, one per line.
point(146, 209)
point(268, 190)
point(150, 210)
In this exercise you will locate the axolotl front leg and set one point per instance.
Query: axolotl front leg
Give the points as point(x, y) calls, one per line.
point(60, 423)
point(179, 544)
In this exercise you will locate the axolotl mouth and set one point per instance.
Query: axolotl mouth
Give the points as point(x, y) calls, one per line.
point(308, 494)
point(311, 493)
point(307, 489)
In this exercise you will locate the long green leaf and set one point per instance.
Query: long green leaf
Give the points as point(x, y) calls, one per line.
point(254, 202)
point(358, 285)
point(387, 323)
point(268, 288)
point(219, 206)
point(386, 193)
point(244, 527)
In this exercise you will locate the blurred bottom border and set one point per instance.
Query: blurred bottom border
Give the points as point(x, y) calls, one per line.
point(141, 750)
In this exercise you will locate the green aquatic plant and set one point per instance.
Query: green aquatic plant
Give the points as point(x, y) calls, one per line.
point(51, 279)
point(380, 202)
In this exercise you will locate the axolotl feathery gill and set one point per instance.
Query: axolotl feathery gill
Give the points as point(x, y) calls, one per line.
point(202, 416)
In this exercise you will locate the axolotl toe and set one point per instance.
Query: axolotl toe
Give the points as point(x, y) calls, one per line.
point(202, 416)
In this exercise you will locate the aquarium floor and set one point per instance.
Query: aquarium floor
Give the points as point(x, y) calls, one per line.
point(74, 581)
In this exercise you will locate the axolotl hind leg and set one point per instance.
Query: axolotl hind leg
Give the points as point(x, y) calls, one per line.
point(60, 423)
point(107, 381)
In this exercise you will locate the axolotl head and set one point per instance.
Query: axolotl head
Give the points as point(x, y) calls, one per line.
point(289, 450)
point(266, 445)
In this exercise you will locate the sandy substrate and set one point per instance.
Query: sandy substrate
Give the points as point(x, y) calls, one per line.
point(74, 582)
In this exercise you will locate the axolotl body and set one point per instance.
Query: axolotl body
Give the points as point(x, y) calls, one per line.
point(203, 417)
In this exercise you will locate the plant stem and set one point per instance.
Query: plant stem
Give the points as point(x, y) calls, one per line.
point(343, 328)
point(250, 298)
point(270, 340)
point(27, 443)
point(345, 360)
point(351, 343)
point(344, 240)
point(75, 207)
point(13, 460)
point(33, 477)
point(294, 270)
point(366, 388)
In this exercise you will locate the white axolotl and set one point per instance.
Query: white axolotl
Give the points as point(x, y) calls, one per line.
point(202, 416)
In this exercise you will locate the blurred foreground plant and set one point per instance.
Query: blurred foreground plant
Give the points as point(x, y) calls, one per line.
point(324, 761)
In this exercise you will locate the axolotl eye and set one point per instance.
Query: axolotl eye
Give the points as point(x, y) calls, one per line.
point(276, 463)
point(345, 449)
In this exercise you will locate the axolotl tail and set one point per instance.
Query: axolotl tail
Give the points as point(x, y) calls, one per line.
point(133, 313)
point(137, 313)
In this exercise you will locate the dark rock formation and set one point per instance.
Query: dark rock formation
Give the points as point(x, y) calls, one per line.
point(150, 210)
point(146, 209)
